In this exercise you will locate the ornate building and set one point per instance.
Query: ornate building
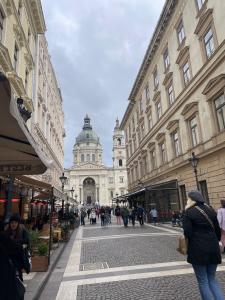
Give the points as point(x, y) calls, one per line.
point(177, 106)
point(92, 181)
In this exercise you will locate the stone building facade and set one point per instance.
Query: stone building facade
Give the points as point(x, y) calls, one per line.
point(25, 60)
point(48, 117)
point(177, 106)
point(92, 181)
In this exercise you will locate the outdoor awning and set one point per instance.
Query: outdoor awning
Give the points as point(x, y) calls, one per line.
point(19, 153)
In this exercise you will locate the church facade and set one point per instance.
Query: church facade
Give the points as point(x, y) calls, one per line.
point(93, 182)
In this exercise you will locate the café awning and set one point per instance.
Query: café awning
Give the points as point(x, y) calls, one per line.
point(19, 153)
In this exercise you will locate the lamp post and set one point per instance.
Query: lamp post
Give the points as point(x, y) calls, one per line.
point(63, 179)
point(194, 162)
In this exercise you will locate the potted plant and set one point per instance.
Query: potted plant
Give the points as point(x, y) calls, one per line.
point(65, 228)
point(40, 258)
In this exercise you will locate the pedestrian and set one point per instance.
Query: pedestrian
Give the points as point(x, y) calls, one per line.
point(133, 215)
point(102, 215)
point(140, 215)
point(221, 220)
point(93, 216)
point(18, 233)
point(88, 213)
point(125, 216)
point(202, 230)
point(11, 259)
point(82, 216)
point(118, 215)
point(154, 214)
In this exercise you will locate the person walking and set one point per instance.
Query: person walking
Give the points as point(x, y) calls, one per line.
point(125, 216)
point(202, 230)
point(93, 216)
point(18, 233)
point(140, 215)
point(118, 215)
point(133, 215)
point(154, 214)
point(221, 220)
point(102, 215)
point(89, 212)
point(11, 258)
point(82, 216)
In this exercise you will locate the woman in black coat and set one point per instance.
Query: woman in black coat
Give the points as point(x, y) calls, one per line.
point(203, 233)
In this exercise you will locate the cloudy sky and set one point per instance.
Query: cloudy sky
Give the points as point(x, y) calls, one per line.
point(97, 47)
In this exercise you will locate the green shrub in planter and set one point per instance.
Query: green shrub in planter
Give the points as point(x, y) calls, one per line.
point(42, 250)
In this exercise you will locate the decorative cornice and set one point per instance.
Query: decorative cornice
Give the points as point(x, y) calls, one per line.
point(183, 53)
point(156, 96)
point(172, 124)
point(37, 15)
point(29, 61)
point(17, 83)
point(168, 78)
point(28, 102)
point(5, 60)
point(149, 107)
point(18, 35)
point(188, 107)
point(151, 145)
point(213, 83)
point(202, 20)
point(160, 136)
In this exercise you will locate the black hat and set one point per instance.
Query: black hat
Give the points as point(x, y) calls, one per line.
point(196, 196)
point(15, 217)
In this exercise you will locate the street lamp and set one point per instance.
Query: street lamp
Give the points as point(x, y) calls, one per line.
point(63, 179)
point(194, 162)
point(72, 191)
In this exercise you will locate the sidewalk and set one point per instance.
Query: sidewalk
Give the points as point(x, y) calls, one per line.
point(36, 281)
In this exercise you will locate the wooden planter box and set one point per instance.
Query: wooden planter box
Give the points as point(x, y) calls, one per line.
point(39, 263)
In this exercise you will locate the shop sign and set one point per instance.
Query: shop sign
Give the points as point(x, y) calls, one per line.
point(15, 169)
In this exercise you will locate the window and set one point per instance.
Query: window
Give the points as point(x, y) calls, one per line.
point(20, 6)
point(1, 24)
point(82, 157)
point(153, 159)
point(15, 57)
point(194, 131)
point(87, 136)
point(220, 111)
point(133, 123)
point(156, 80)
point(122, 192)
point(176, 143)
point(186, 73)
point(183, 195)
point(150, 122)
point(200, 3)
point(166, 59)
point(26, 80)
point(93, 157)
point(88, 157)
point(209, 43)
point(147, 93)
point(121, 179)
point(120, 163)
point(110, 179)
point(162, 152)
point(180, 32)
point(111, 194)
point(141, 106)
point(119, 142)
point(170, 94)
point(158, 109)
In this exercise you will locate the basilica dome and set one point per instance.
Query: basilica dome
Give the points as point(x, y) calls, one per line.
point(87, 135)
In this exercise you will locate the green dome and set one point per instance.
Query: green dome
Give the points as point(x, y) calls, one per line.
point(87, 135)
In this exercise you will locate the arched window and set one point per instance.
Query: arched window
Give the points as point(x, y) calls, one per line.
point(87, 135)
point(119, 142)
point(120, 163)
point(88, 157)
point(93, 157)
point(82, 157)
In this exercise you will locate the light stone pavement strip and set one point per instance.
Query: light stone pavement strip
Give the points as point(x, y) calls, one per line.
point(140, 266)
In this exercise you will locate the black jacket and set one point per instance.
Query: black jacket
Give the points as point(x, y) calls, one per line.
point(203, 245)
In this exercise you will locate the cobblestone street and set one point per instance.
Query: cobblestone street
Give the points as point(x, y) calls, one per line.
point(124, 263)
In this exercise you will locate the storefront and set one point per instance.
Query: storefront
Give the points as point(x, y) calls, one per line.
point(164, 197)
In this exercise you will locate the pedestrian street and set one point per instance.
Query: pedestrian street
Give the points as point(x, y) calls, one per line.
point(116, 263)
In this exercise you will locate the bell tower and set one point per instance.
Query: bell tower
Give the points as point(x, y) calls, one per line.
point(119, 152)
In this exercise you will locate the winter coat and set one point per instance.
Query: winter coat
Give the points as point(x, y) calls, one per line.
point(203, 240)
point(117, 211)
